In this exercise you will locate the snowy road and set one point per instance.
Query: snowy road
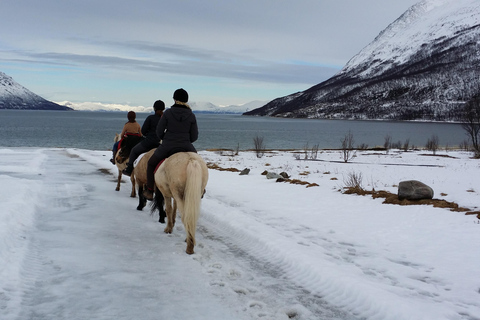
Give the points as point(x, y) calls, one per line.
point(91, 255)
point(73, 248)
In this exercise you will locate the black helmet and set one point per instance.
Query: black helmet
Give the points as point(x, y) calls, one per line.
point(159, 105)
point(180, 95)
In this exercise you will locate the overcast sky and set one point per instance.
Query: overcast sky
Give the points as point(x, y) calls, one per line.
point(225, 52)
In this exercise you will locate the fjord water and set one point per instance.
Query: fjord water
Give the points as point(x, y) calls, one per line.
point(96, 130)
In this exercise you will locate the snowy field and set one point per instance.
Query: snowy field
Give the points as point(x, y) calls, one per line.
point(71, 247)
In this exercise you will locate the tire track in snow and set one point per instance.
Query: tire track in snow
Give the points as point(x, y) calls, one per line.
point(329, 281)
point(260, 288)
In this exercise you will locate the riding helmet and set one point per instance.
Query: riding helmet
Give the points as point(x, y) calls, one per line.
point(159, 105)
point(180, 95)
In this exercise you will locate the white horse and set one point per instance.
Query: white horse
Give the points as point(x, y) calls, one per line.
point(181, 179)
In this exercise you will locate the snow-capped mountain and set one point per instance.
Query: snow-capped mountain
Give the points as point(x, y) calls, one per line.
point(424, 66)
point(15, 96)
point(207, 107)
point(197, 107)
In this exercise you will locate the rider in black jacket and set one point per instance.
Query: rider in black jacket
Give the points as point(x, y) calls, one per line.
point(177, 129)
point(149, 131)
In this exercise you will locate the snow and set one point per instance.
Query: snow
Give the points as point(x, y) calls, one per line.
point(198, 106)
point(428, 21)
point(73, 248)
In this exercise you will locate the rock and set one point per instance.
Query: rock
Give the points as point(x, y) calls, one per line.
point(273, 175)
point(245, 172)
point(264, 173)
point(284, 174)
point(414, 190)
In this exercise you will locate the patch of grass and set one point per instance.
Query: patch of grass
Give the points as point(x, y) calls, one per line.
point(215, 166)
point(391, 198)
point(299, 182)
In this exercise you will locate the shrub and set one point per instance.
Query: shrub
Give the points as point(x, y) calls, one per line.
point(259, 146)
point(432, 144)
point(347, 147)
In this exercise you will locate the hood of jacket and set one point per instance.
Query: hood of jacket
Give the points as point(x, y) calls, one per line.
point(181, 113)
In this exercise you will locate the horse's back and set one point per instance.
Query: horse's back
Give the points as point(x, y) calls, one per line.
point(140, 170)
point(174, 168)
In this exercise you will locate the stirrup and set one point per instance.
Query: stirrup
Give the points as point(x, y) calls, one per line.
point(127, 172)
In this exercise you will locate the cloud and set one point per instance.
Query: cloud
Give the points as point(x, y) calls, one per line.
point(181, 60)
point(226, 51)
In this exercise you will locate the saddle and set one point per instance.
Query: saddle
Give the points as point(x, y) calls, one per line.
point(171, 153)
point(129, 141)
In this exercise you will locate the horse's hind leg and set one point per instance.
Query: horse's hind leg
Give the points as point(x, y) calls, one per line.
point(119, 180)
point(170, 217)
point(132, 179)
point(142, 202)
point(160, 200)
point(190, 245)
point(174, 211)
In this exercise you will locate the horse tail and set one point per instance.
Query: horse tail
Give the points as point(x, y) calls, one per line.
point(192, 198)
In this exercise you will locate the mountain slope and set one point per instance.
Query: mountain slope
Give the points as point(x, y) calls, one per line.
point(15, 96)
point(423, 66)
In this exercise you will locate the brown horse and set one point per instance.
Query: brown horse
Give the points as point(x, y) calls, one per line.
point(121, 159)
point(182, 179)
point(139, 174)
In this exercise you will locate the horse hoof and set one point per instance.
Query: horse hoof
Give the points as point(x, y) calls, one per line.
point(139, 208)
point(117, 189)
point(161, 220)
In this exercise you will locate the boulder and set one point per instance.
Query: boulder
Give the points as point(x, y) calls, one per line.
point(273, 175)
point(414, 190)
point(284, 174)
point(245, 172)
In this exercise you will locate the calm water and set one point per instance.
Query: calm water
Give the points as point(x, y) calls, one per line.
point(96, 130)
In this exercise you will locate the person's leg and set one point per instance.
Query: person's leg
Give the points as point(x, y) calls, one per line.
point(154, 160)
point(134, 153)
point(114, 151)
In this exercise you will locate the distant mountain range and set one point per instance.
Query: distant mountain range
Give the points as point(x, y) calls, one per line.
point(15, 96)
point(197, 107)
point(423, 66)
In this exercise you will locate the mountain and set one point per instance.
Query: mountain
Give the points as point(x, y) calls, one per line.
point(207, 107)
point(197, 107)
point(15, 96)
point(423, 66)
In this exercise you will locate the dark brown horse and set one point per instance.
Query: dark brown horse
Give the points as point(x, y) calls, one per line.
point(121, 159)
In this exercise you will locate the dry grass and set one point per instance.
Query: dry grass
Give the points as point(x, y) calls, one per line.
point(215, 166)
point(299, 182)
point(391, 198)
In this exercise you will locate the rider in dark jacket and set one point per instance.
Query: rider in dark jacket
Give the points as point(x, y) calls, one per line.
point(177, 129)
point(149, 132)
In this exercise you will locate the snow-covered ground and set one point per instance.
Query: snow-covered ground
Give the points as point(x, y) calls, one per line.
point(73, 248)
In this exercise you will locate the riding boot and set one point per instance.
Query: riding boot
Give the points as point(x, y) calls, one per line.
point(113, 159)
point(128, 170)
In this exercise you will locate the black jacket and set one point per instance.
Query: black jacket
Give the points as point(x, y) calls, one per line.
point(149, 128)
point(178, 128)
